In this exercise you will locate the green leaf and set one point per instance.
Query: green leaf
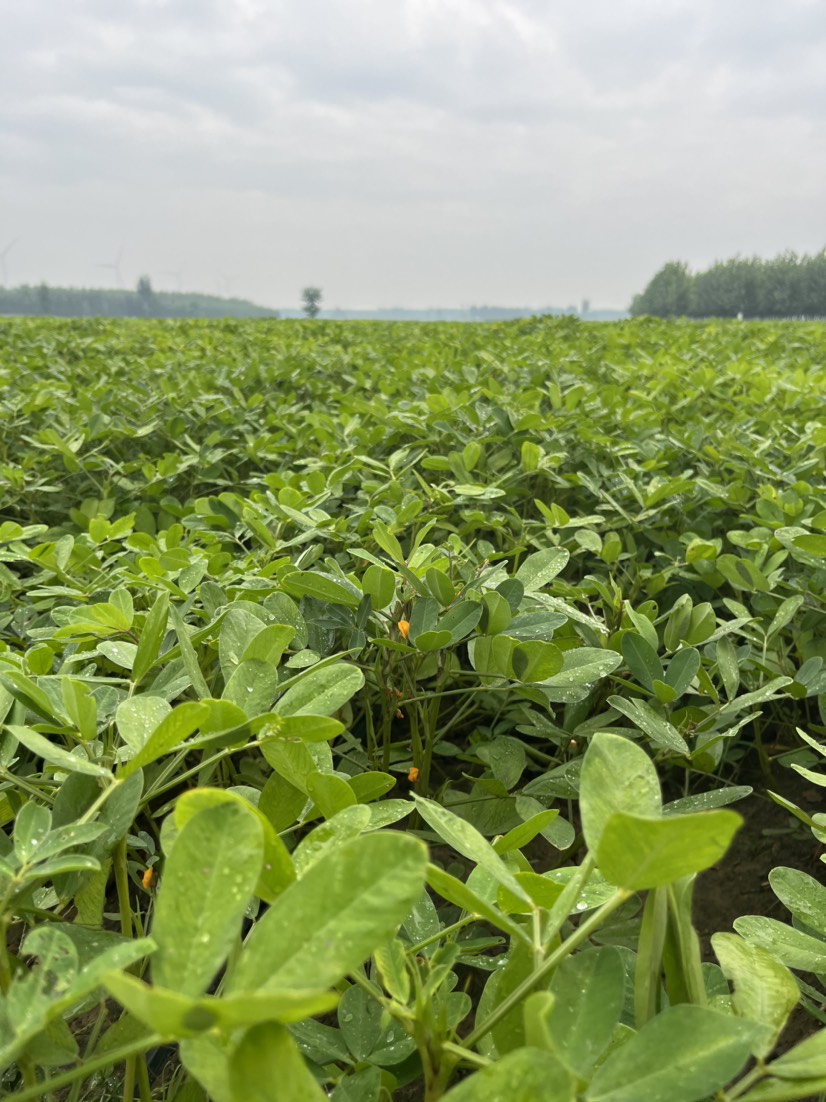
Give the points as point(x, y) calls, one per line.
point(268, 644)
point(339, 829)
point(151, 637)
point(423, 618)
point(277, 872)
point(458, 893)
point(786, 612)
point(367, 1032)
point(543, 894)
point(525, 1075)
point(61, 838)
point(170, 732)
point(386, 812)
point(506, 757)
point(791, 947)
point(460, 620)
point(175, 1015)
point(188, 655)
point(138, 716)
point(208, 880)
point(804, 896)
point(281, 801)
point(525, 832)
point(380, 584)
point(467, 840)
point(77, 794)
point(328, 922)
point(441, 587)
point(363, 1085)
point(321, 691)
point(307, 728)
point(727, 665)
point(371, 785)
point(536, 661)
point(330, 794)
point(31, 826)
point(764, 990)
point(252, 686)
point(659, 730)
point(785, 1090)
point(641, 659)
point(238, 628)
point(391, 964)
point(636, 852)
point(643, 626)
point(119, 653)
point(309, 583)
point(684, 1054)
point(812, 545)
point(663, 692)
point(80, 706)
point(496, 613)
point(617, 775)
point(541, 567)
point(388, 542)
point(429, 641)
point(265, 1057)
point(55, 755)
point(743, 574)
point(167, 1012)
point(589, 992)
point(807, 1060)
point(707, 801)
point(583, 666)
point(682, 669)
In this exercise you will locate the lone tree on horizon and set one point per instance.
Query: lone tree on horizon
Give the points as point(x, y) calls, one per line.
point(311, 298)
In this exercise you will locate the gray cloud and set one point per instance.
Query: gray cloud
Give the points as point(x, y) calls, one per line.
point(425, 151)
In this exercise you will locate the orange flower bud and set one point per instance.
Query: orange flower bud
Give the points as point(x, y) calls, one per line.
point(404, 628)
point(413, 775)
point(147, 879)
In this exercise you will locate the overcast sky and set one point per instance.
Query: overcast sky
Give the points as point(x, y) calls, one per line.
point(407, 152)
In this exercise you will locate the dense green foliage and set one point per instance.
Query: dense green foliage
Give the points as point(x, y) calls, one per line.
point(144, 302)
point(788, 286)
point(403, 658)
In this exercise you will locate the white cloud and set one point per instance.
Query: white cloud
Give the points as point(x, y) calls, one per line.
point(421, 151)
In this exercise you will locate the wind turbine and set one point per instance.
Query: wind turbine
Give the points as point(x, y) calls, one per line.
point(3, 255)
point(114, 267)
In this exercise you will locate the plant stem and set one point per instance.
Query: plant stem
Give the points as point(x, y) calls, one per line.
point(462, 1054)
point(5, 963)
point(90, 1047)
point(442, 933)
point(582, 933)
point(144, 1088)
point(108, 1059)
point(129, 1078)
point(122, 884)
point(95, 806)
point(749, 1079)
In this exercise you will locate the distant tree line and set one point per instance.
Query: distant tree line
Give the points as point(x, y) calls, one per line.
point(143, 302)
point(787, 286)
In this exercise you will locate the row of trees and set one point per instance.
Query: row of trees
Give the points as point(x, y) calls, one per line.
point(785, 287)
point(143, 302)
